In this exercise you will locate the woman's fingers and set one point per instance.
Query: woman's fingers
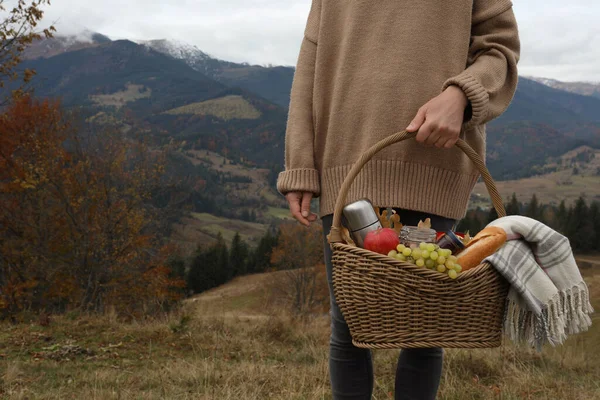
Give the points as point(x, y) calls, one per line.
point(305, 206)
point(294, 199)
point(300, 207)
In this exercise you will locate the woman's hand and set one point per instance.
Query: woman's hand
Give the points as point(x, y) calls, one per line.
point(300, 207)
point(440, 120)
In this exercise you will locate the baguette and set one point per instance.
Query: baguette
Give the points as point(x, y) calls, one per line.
point(484, 244)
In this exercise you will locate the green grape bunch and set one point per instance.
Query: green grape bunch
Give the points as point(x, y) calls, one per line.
point(429, 255)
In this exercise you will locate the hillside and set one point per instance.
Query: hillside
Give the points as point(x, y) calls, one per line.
point(542, 122)
point(147, 92)
point(109, 67)
point(566, 177)
point(183, 98)
point(535, 102)
point(272, 83)
point(155, 92)
point(230, 343)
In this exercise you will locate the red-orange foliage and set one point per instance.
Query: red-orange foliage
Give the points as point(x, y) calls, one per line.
point(75, 228)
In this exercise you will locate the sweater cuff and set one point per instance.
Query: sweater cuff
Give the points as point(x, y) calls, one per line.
point(475, 92)
point(299, 180)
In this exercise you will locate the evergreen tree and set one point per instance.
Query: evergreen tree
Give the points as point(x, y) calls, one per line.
point(580, 228)
point(201, 275)
point(492, 215)
point(260, 259)
point(561, 217)
point(595, 219)
point(238, 256)
point(225, 272)
point(245, 215)
point(533, 209)
point(470, 224)
point(512, 208)
point(464, 224)
point(209, 267)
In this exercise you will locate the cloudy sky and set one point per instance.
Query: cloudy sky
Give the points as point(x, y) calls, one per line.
point(560, 39)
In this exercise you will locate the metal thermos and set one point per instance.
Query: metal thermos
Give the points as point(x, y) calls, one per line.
point(361, 219)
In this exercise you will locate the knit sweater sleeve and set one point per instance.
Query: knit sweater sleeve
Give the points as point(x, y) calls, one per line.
point(490, 79)
point(300, 173)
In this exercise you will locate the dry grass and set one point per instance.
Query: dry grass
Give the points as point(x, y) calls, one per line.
point(549, 189)
point(552, 188)
point(228, 344)
point(226, 108)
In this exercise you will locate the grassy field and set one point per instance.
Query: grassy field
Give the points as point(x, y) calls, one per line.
point(547, 188)
point(232, 343)
point(225, 108)
point(279, 212)
point(552, 188)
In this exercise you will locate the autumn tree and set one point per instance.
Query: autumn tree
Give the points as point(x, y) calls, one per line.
point(76, 228)
point(299, 254)
point(18, 30)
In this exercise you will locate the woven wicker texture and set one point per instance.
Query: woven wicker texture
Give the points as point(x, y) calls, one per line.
point(393, 304)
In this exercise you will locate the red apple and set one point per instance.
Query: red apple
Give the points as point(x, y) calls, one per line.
point(381, 240)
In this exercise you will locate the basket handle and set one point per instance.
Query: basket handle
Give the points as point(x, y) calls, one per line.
point(335, 236)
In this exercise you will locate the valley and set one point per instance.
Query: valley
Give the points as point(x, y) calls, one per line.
point(575, 173)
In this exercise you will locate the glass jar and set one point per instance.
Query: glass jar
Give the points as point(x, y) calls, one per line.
point(449, 240)
point(411, 236)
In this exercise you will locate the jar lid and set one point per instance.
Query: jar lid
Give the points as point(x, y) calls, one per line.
point(360, 214)
point(455, 240)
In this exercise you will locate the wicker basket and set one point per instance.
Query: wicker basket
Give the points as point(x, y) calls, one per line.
point(393, 304)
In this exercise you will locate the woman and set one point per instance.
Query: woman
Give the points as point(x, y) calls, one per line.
point(368, 69)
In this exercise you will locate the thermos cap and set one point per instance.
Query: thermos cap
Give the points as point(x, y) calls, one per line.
point(360, 214)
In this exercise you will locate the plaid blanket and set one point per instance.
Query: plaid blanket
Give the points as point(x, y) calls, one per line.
point(548, 299)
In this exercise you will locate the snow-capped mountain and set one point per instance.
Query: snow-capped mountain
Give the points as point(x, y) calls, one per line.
point(189, 53)
point(583, 88)
point(272, 83)
point(59, 44)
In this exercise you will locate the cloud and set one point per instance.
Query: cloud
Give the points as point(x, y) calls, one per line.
point(559, 40)
point(260, 32)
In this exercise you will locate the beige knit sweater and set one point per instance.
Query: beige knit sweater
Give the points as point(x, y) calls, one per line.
point(365, 68)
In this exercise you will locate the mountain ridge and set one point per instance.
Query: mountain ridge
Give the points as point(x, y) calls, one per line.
point(579, 87)
point(151, 77)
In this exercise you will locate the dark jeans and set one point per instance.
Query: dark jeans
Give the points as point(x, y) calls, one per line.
point(351, 368)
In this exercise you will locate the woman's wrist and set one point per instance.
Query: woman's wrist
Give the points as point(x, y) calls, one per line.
point(459, 95)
